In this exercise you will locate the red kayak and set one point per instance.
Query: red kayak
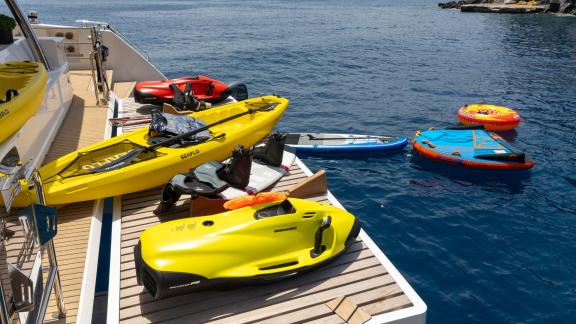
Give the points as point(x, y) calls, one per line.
point(204, 89)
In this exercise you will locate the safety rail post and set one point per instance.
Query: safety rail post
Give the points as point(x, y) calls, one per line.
point(54, 274)
point(4, 316)
point(99, 77)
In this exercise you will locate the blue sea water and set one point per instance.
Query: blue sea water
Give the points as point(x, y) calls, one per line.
point(479, 247)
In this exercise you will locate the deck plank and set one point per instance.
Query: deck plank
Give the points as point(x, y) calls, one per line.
point(85, 121)
point(83, 125)
point(71, 244)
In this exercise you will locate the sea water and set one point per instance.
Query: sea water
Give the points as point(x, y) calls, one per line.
point(479, 247)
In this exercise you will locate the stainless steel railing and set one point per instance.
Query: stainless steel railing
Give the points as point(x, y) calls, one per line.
point(99, 76)
point(53, 281)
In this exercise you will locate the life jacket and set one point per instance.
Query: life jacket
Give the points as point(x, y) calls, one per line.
point(260, 198)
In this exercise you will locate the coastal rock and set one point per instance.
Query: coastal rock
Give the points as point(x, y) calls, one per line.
point(450, 5)
point(458, 4)
point(567, 7)
point(553, 6)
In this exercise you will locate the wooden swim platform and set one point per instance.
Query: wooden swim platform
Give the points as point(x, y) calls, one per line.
point(363, 275)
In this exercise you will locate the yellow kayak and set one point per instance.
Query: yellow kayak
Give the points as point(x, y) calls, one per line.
point(128, 163)
point(22, 87)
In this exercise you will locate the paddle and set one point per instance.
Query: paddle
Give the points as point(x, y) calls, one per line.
point(132, 155)
point(313, 138)
point(139, 120)
point(128, 122)
point(129, 118)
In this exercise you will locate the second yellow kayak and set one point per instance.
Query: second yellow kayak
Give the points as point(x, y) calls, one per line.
point(22, 87)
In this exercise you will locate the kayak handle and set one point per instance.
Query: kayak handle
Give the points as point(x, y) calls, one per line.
point(318, 248)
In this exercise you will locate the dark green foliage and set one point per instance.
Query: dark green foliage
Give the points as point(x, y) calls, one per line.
point(7, 23)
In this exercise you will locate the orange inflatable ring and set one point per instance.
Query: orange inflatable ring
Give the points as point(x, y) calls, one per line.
point(261, 198)
point(494, 118)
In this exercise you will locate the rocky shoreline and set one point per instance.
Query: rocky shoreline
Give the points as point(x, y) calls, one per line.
point(513, 6)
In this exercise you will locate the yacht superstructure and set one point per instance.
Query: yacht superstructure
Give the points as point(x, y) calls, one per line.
point(92, 70)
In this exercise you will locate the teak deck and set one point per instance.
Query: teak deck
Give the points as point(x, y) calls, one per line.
point(359, 274)
point(84, 124)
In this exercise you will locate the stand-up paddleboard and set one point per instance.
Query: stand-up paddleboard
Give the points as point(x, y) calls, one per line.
point(310, 143)
point(470, 148)
point(22, 87)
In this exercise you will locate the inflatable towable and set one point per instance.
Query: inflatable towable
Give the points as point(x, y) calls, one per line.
point(494, 118)
point(22, 87)
point(470, 148)
point(204, 88)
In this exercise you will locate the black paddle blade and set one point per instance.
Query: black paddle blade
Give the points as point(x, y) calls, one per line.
point(123, 161)
point(512, 157)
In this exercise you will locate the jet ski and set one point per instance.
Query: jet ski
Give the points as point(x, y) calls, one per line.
point(249, 245)
point(201, 87)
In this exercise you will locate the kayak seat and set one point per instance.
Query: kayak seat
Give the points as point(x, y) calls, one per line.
point(272, 152)
point(164, 126)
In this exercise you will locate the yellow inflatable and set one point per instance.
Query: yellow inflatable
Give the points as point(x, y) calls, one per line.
point(22, 87)
point(494, 118)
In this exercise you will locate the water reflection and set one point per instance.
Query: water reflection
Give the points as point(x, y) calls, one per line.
point(509, 182)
